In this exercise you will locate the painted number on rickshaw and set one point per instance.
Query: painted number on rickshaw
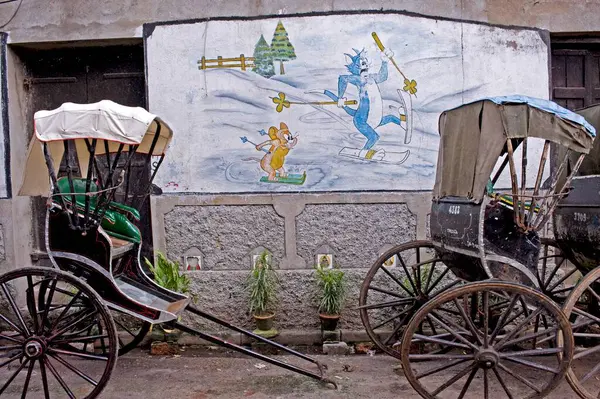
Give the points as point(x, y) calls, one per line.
point(580, 217)
point(454, 209)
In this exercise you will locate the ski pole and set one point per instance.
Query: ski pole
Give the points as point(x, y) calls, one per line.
point(281, 102)
point(245, 140)
point(410, 85)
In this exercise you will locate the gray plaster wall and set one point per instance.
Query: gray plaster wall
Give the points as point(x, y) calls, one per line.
point(6, 236)
point(223, 293)
point(58, 20)
point(2, 248)
point(355, 233)
point(226, 236)
point(355, 228)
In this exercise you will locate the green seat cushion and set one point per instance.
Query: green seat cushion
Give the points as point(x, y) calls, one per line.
point(79, 187)
point(123, 228)
point(113, 221)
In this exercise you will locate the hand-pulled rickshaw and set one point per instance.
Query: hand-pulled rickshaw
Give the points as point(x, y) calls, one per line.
point(576, 223)
point(477, 307)
point(57, 333)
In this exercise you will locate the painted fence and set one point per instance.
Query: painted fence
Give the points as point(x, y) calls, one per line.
point(240, 62)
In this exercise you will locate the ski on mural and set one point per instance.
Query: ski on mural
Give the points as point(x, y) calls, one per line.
point(381, 155)
point(297, 179)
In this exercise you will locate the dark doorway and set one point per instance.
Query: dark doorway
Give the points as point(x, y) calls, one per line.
point(86, 75)
point(575, 72)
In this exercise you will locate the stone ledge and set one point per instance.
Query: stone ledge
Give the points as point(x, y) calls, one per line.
point(336, 348)
point(285, 337)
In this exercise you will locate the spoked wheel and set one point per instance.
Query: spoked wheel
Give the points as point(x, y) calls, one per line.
point(65, 348)
point(399, 282)
point(504, 355)
point(556, 276)
point(583, 310)
point(130, 330)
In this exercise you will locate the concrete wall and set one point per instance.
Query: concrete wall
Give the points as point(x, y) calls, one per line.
point(4, 133)
point(289, 225)
point(224, 232)
point(42, 20)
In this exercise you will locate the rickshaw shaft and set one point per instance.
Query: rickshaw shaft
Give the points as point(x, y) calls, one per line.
point(224, 323)
point(238, 348)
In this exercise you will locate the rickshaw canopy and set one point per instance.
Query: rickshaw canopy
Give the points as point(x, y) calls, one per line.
point(591, 163)
point(106, 121)
point(473, 136)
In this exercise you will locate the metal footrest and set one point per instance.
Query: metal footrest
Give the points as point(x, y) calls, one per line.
point(155, 300)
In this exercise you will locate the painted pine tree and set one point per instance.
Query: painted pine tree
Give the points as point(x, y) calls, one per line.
point(263, 59)
point(281, 47)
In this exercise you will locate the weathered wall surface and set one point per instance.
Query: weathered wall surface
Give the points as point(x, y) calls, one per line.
point(42, 20)
point(4, 138)
point(2, 244)
point(6, 242)
point(225, 236)
point(226, 230)
point(353, 233)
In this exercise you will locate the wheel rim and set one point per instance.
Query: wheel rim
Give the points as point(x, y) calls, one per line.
point(66, 348)
point(583, 311)
point(130, 330)
point(511, 356)
point(390, 296)
point(556, 276)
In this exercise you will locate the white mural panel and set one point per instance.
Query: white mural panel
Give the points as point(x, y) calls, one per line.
point(324, 103)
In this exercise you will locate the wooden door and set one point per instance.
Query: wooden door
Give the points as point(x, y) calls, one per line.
point(576, 74)
point(85, 75)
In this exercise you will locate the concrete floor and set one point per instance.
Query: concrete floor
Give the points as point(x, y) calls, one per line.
point(205, 373)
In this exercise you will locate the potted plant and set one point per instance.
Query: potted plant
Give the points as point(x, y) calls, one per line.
point(262, 290)
point(332, 286)
point(167, 274)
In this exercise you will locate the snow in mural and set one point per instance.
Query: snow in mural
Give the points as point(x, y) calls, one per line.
point(329, 103)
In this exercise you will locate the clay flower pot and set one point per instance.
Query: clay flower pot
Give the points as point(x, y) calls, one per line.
point(264, 322)
point(329, 321)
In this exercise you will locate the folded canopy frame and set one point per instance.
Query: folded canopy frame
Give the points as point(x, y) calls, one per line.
point(474, 136)
point(93, 130)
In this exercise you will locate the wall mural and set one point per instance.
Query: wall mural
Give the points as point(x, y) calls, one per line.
point(324, 103)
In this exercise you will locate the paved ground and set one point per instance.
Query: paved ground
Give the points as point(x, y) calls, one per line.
point(200, 374)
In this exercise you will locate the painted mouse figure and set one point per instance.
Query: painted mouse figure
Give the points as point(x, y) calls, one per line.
point(281, 142)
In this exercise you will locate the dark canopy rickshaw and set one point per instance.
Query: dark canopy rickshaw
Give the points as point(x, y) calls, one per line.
point(576, 223)
point(496, 188)
point(480, 225)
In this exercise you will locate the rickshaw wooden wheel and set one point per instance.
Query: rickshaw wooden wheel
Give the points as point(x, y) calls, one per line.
point(70, 342)
point(131, 331)
point(555, 273)
point(389, 296)
point(510, 357)
point(583, 310)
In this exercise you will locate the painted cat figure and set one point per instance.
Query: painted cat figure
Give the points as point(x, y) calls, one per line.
point(369, 114)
